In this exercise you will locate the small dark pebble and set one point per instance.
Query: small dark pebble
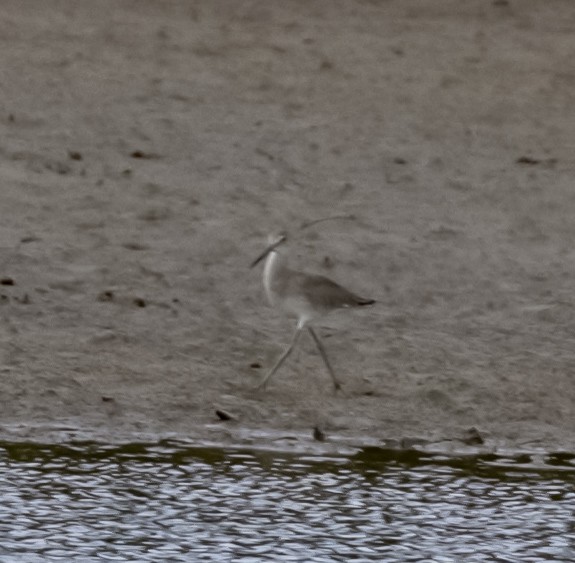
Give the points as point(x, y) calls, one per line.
point(224, 415)
point(135, 246)
point(399, 160)
point(255, 365)
point(31, 238)
point(318, 434)
point(107, 295)
point(328, 262)
point(139, 302)
point(107, 399)
point(75, 155)
point(472, 437)
point(142, 154)
point(527, 160)
point(7, 281)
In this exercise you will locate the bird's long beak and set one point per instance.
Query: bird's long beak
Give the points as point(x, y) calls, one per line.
point(271, 247)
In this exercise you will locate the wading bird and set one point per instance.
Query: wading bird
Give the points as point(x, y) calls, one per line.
point(305, 296)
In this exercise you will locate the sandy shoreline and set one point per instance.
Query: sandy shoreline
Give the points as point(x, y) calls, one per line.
point(147, 148)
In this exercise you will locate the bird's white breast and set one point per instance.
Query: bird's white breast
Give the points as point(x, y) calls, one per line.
point(270, 268)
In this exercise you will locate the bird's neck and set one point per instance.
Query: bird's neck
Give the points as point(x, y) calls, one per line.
point(272, 267)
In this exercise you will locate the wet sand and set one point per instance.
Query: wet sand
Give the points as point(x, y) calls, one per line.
point(147, 148)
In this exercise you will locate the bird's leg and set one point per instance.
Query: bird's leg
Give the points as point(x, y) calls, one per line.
point(321, 349)
point(282, 358)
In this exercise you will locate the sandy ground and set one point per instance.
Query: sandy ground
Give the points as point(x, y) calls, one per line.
point(148, 147)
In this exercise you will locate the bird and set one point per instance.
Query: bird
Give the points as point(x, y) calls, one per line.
point(306, 296)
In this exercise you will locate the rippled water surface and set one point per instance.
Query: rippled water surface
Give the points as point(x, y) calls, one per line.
point(167, 503)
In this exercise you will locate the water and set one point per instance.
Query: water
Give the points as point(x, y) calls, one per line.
point(88, 502)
